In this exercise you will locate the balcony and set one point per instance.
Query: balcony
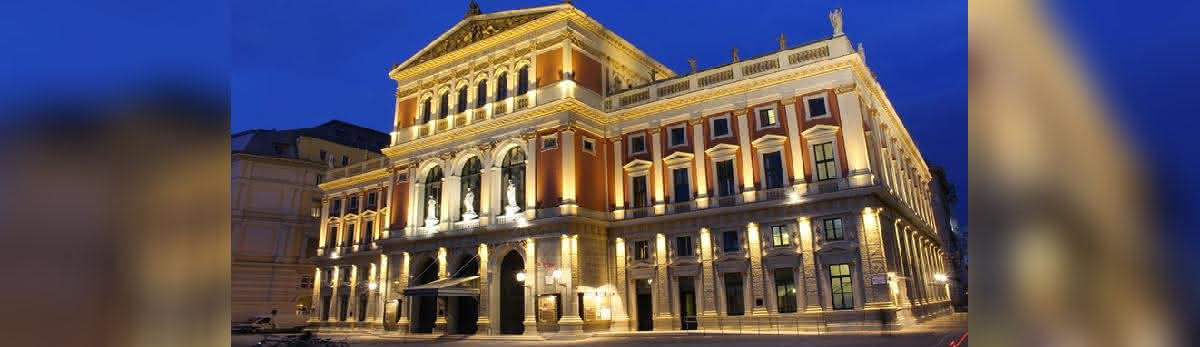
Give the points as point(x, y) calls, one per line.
point(355, 169)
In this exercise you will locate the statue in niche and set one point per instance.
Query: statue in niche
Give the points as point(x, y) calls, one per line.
point(510, 192)
point(469, 204)
point(835, 18)
point(431, 219)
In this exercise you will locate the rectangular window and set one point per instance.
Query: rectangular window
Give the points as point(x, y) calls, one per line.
point(767, 119)
point(683, 246)
point(323, 155)
point(734, 304)
point(639, 192)
point(682, 191)
point(833, 229)
point(550, 142)
point(678, 136)
point(372, 200)
point(462, 99)
point(336, 209)
point(329, 240)
point(816, 107)
point(785, 290)
point(840, 287)
point(444, 106)
point(481, 94)
point(720, 127)
point(773, 169)
point(320, 178)
point(345, 160)
point(641, 250)
point(637, 144)
point(352, 207)
point(730, 242)
point(823, 160)
point(779, 236)
point(348, 235)
point(725, 185)
point(369, 232)
point(589, 146)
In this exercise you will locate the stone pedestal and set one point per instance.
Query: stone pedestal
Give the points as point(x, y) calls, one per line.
point(530, 326)
point(440, 324)
point(570, 325)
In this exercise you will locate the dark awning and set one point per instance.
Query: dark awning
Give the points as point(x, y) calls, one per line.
point(459, 286)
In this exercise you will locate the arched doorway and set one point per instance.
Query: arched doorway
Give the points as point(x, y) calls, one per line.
point(424, 308)
point(512, 294)
point(466, 308)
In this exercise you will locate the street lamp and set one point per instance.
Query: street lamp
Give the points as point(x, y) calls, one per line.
point(521, 276)
point(939, 277)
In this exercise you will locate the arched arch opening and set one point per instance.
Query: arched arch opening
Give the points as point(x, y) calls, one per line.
point(444, 105)
point(512, 294)
point(502, 86)
point(426, 109)
point(523, 80)
point(424, 308)
point(470, 179)
point(481, 93)
point(433, 193)
point(465, 308)
point(512, 180)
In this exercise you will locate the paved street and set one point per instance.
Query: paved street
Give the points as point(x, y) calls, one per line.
point(940, 332)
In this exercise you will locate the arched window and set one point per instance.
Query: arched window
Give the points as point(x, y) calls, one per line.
point(523, 80)
point(512, 169)
point(444, 106)
point(481, 94)
point(502, 86)
point(470, 182)
point(462, 99)
point(426, 110)
point(433, 189)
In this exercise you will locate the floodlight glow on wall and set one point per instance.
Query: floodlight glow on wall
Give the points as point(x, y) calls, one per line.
point(521, 276)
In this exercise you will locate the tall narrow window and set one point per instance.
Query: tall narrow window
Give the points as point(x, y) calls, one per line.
point(470, 183)
point(502, 86)
point(725, 186)
point(433, 191)
point(785, 290)
point(331, 238)
point(323, 156)
point(345, 160)
point(462, 100)
point(773, 169)
point(512, 171)
point(352, 206)
point(639, 192)
point(369, 232)
point(372, 200)
point(840, 287)
point(779, 236)
point(481, 94)
point(523, 80)
point(444, 106)
point(734, 304)
point(336, 209)
point(348, 236)
point(426, 110)
point(684, 247)
point(730, 242)
point(641, 250)
point(823, 160)
point(679, 178)
point(833, 229)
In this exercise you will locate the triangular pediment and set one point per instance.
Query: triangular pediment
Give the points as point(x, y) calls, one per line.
point(474, 29)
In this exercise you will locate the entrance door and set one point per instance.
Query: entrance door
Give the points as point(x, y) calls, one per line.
point(467, 315)
point(512, 294)
point(325, 306)
point(362, 307)
point(344, 301)
point(645, 317)
point(687, 303)
point(424, 309)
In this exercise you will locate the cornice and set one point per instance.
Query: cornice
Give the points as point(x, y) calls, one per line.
point(380, 173)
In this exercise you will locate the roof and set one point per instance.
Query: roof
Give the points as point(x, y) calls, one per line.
point(283, 143)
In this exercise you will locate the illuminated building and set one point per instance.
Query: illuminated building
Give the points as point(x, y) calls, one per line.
point(545, 174)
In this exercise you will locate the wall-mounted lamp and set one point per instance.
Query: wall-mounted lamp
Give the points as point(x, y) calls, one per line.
point(521, 276)
point(939, 277)
point(372, 286)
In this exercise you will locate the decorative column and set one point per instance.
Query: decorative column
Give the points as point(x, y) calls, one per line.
point(484, 323)
point(747, 154)
point(352, 304)
point(662, 305)
point(620, 314)
point(495, 194)
point(754, 242)
point(657, 170)
point(812, 302)
point(874, 260)
point(401, 284)
point(570, 322)
point(451, 198)
point(440, 324)
point(383, 289)
point(700, 167)
point(853, 139)
point(323, 232)
point(793, 133)
point(335, 283)
point(531, 276)
point(531, 151)
point(316, 308)
point(708, 310)
point(618, 176)
point(568, 171)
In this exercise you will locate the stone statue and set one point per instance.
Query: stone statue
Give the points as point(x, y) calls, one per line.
point(735, 55)
point(862, 53)
point(782, 42)
point(469, 204)
point(692, 63)
point(835, 18)
point(510, 192)
point(431, 219)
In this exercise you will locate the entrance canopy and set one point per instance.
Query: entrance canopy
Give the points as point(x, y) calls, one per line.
point(459, 286)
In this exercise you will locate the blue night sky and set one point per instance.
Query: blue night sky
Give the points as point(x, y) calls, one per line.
point(298, 64)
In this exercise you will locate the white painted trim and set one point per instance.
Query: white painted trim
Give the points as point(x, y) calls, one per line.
point(808, 112)
point(685, 137)
point(588, 141)
point(645, 144)
point(758, 122)
point(712, 121)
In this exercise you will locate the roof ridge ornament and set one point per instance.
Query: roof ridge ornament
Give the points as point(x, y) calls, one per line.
point(473, 9)
point(835, 18)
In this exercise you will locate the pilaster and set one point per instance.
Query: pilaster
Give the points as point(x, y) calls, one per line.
point(570, 322)
point(662, 305)
point(793, 132)
point(531, 275)
point(754, 242)
point(618, 175)
point(568, 169)
point(531, 152)
point(483, 322)
point(657, 170)
point(708, 308)
point(619, 304)
point(701, 168)
point(812, 301)
point(746, 155)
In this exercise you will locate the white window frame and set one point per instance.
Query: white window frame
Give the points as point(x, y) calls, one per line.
point(808, 112)
point(586, 142)
point(712, 121)
point(787, 231)
point(758, 121)
point(649, 191)
point(812, 158)
point(720, 153)
point(645, 144)
point(762, 167)
point(549, 137)
point(685, 137)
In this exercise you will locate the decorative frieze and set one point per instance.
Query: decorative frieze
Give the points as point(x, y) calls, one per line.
point(762, 66)
point(674, 88)
point(808, 54)
point(714, 78)
point(634, 98)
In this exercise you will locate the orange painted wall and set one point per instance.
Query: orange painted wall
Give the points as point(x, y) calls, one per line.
point(587, 72)
point(549, 173)
point(710, 143)
point(590, 173)
point(756, 133)
point(406, 113)
point(549, 68)
point(665, 141)
point(400, 205)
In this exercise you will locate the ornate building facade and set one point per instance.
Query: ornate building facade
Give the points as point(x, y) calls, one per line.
point(544, 174)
